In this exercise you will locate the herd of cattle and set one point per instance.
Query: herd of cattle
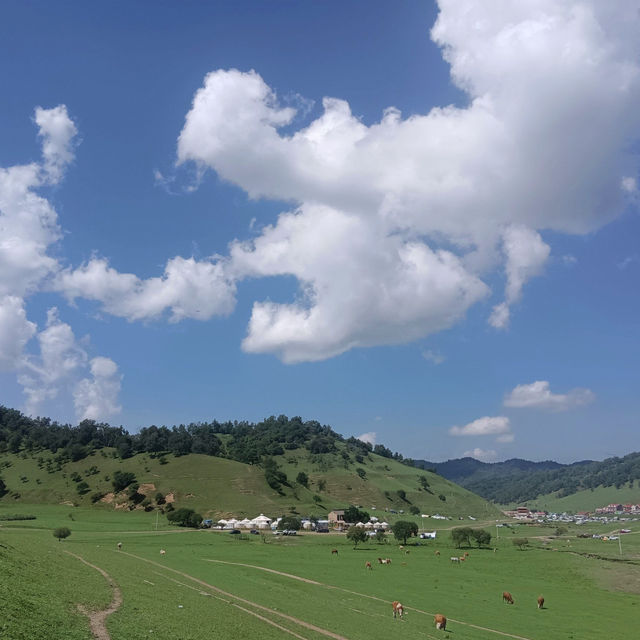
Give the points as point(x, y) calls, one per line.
point(397, 607)
point(439, 619)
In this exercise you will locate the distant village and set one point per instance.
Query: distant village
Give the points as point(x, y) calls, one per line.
point(610, 513)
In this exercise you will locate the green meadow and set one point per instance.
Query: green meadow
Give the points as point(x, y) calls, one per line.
point(213, 584)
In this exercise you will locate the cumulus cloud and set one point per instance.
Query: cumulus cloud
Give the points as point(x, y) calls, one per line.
point(538, 395)
point(369, 437)
point(541, 145)
point(188, 289)
point(375, 289)
point(15, 332)
point(486, 426)
point(96, 398)
point(484, 455)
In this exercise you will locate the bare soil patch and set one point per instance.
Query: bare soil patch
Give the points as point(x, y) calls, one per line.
point(97, 619)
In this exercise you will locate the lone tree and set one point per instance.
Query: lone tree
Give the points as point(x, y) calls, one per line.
point(353, 514)
point(122, 479)
point(61, 532)
point(404, 529)
point(303, 479)
point(356, 535)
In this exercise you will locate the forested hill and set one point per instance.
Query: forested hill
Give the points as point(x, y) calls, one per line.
point(519, 480)
point(241, 441)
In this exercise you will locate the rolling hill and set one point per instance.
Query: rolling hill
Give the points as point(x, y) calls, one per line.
point(278, 466)
point(551, 483)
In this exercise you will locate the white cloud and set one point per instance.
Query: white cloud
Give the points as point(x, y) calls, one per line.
point(569, 260)
point(483, 427)
point(375, 289)
point(538, 395)
point(542, 145)
point(96, 398)
point(15, 332)
point(188, 288)
point(57, 131)
point(369, 437)
point(484, 455)
point(506, 437)
point(433, 356)
point(623, 264)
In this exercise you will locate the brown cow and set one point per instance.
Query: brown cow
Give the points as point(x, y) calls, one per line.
point(334, 552)
point(437, 553)
point(398, 609)
point(540, 602)
point(368, 565)
point(466, 554)
point(507, 597)
point(441, 621)
point(381, 561)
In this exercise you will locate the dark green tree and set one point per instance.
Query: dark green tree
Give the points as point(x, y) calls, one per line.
point(353, 514)
point(381, 537)
point(61, 533)
point(404, 529)
point(521, 543)
point(361, 472)
point(290, 523)
point(402, 494)
point(122, 479)
point(414, 510)
point(482, 537)
point(303, 479)
point(3, 488)
point(356, 535)
point(185, 518)
point(462, 536)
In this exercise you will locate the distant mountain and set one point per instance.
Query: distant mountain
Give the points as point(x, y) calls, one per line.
point(518, 480)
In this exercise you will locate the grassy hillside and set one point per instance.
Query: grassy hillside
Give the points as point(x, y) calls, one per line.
point(217, 487)
point(587, 500)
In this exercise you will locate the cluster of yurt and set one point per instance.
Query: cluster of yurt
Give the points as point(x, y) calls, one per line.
point(260, 522)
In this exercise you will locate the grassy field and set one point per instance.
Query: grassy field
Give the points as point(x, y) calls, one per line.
point(217, 487)
point(212, 584)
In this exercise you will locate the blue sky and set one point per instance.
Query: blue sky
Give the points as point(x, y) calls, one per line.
point(442, 257)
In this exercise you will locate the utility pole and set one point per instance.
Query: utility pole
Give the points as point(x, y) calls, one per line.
point(157, 516)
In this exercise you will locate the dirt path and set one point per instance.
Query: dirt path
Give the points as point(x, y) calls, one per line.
point(97, 619)
point(364, 595)
point(255, 605)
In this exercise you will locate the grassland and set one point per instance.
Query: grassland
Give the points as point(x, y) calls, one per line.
point(218, 487)
point(211, 584)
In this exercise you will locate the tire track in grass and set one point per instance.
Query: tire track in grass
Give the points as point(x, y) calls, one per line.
point(298, 621)
point(253, 613)
point(97, 619)
point(364, 595)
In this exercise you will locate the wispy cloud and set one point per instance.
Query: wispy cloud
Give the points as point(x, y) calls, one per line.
point(483, 427)
point(484, 455)
point(369, 437)
point(538, 395)
point(433, 356)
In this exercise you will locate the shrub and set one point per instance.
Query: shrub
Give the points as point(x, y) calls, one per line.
point(97, 496)
point(82, 488)
point(414, 510)
point(361, 472)
point(303, 479)
point(521, 543)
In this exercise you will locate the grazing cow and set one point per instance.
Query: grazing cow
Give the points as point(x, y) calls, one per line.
point(507, 597)
point(162, 552)
point(540, 602)
point(367, 565)
point(462, 558)
point(401, 547)
point(381, 561)
point(441, 621)
point(455, 559)
point(119, 546)
point(466, 554)
point(437, 553)
point(334, 552)
point(398, 609)
point(388, 561)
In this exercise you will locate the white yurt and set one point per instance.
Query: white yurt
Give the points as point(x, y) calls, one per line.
point(384, 525)
point(369, 525)
point(359, 524)
point(244, 524)
point(261, 522)
point(231, 523)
